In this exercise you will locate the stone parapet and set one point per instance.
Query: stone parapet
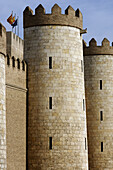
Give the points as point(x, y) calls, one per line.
point(2, 39)
point(14, 45)
point(93, 49)
point(15, 76)
point(70, 18)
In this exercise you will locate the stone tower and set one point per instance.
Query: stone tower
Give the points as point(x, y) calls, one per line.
point(57, 133)
point(2, 98)
point(99, 97)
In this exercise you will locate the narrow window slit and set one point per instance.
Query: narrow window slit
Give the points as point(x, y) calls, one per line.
point(81, 66)
point(100, 84)
point(101, 146)
point(50, 102)
point(50, 62)
point(50, 143)
point(101, 115)
point(85, 144)
point(83, 104)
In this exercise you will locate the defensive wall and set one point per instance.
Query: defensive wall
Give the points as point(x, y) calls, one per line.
point(56, 127)
point(16, 113)
point(14, 45)
point(12, 102)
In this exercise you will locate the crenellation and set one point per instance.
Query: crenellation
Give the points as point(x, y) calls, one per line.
point(92, 43)
point(28, 11)
point(105, 43)
point(64, 45)
point(12, 62)
point(56, 10)
point(67, 109)
point(70, 18)
point(15, 45)
point(40, 10)
point(70, 11)
point(12, 102)
point(94, 49)
point(79, 14)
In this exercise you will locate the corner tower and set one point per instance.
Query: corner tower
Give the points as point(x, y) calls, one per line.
point(99, 97)
point(57, 134)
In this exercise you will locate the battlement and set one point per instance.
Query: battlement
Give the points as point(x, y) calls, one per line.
point(15, 72)
point(93, 49)
point(70, 18)
point(14, 45)
point(2, 30)
point(2, 39)
point(16, 63)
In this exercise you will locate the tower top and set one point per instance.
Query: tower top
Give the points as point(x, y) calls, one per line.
point(70, 18)
point(93, 49)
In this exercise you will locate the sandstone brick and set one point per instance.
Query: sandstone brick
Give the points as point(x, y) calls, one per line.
point(66, 122)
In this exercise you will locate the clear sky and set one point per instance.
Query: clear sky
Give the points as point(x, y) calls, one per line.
point(97, 14)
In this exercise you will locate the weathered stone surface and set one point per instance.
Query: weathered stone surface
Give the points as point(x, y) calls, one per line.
point(70, 18)
point(99, 67)
point(14, 45)
point(16, 116)
point(2, 114)
point(66, 122)
point(12, 102)
point(3, 162)
point(93, 49)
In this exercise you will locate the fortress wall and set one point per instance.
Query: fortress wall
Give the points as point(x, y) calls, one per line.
point(99, 67)
point(3, 161)
point(66, 121)
point(14, 45)
point(16, 116)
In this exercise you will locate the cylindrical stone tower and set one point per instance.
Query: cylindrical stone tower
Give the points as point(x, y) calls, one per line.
point(3, 164)
point(99, 96)
point(57, 134)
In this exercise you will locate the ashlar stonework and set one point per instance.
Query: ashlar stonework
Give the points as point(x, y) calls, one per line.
point(56, 95)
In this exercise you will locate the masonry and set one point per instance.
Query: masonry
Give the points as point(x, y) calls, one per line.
point(55, 95)
point(12, 102)
point(99, 96)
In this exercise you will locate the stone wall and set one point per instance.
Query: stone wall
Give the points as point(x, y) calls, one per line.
point(66, 121)
point(71, 17)
point(99, 101)
point(14, 45)
point(2, 39)
point(16, 114)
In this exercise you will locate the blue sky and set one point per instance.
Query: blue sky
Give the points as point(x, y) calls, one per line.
point(97, 14)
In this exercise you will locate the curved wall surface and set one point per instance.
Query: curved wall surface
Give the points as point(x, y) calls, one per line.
point(2, 114)
point(65, 124)
point(99, 97)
